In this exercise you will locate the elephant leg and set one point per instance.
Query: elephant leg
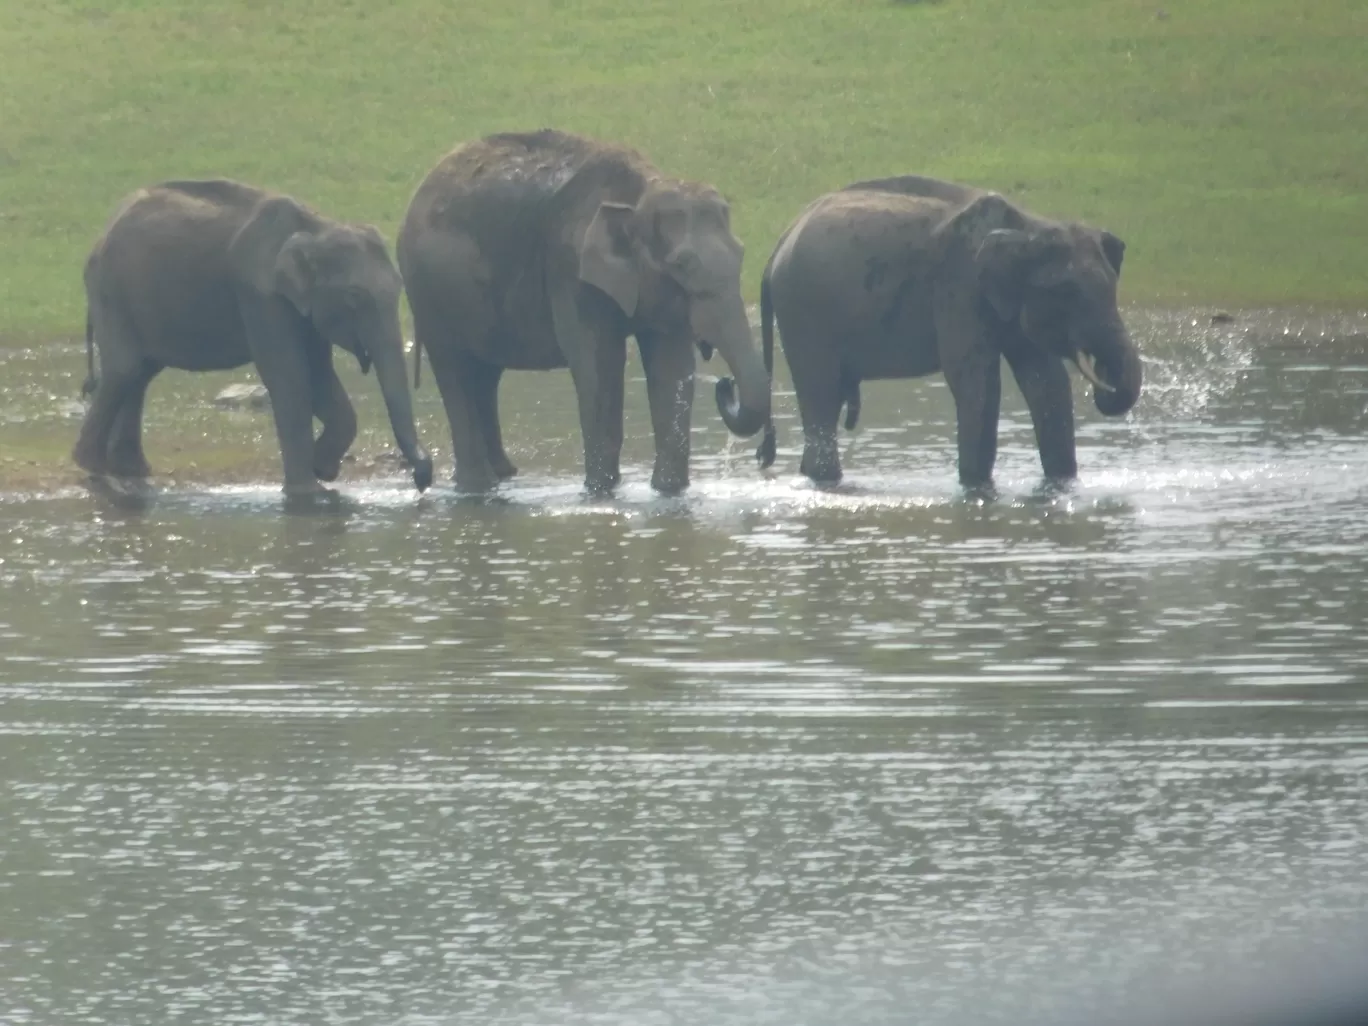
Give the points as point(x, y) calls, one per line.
point(457, 376)
point(126, 457)
point(1044, 383)
point(598, 374)
point(333, 408)
point(975, 381)
point(670, 388)
point(484, 389)
point(817, 383)
point(120, 362)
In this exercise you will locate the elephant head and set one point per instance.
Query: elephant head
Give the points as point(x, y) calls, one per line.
point(340, 279)
point(671, 263)
point(1057, 282)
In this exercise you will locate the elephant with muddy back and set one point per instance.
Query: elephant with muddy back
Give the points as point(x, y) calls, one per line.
point(540, 250)
point(904, 277)
point(209, 275)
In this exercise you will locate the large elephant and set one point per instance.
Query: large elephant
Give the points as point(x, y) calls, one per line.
point(208, 275)
point(542, 250)
point(903, 277)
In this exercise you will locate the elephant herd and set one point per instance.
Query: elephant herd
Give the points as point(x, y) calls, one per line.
point(541, 250)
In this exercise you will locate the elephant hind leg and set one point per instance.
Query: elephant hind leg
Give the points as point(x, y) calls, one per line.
point(458, 378)
point(120, 367)
point(125, 455)
point(821, 394)
point(484, 381)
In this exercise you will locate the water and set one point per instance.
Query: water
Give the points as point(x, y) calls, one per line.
point(760, 754)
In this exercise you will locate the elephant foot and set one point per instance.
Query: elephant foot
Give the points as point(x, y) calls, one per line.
point(327, 471)
point(821, 464)
point(475, 482)
point(128, 466)
point(980, 491)
point(601, 484)
point(503, 469)
point(89, 461)
point(305, 489)
point(669, 484)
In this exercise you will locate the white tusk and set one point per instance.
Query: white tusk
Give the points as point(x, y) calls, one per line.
point(1088, 368)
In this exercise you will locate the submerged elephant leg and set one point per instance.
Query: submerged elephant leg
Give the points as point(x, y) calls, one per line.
point(1044, 383)
point(126, 457)
point(456, 374)
point(598, 375)
point(670, 388)
point(484, 388)
point(333, 408)
point(976, 383)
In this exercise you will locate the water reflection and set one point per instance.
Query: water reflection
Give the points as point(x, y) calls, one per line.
point(764, 753)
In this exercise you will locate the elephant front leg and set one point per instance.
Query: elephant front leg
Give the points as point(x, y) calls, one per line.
point(284, 368)
point(333, 407)
point(669, 370)
point(975, 382)
point(598, 375)
point(1044, 383)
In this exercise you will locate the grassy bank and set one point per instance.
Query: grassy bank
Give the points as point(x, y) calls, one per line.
point(1224, 140)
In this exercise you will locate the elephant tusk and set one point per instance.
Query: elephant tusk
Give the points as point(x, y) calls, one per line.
point(1087, 366)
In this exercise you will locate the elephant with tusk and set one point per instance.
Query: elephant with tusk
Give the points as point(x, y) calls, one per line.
point(904, 277)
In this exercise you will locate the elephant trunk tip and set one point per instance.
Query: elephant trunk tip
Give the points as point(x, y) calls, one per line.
point(742, 421)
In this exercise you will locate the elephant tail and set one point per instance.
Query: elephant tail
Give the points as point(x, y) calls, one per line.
point(768, 447)
point(850, 388)
point(417, 363)
point(92, 381)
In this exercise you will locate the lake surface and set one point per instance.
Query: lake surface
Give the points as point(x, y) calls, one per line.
point(760, 754)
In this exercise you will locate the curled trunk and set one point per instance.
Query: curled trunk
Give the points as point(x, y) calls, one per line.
point(1120, 366)
point(744, 399)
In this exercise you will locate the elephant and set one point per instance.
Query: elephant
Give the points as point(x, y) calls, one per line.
point(544, 249)
point(903, 277)
point(210, 274)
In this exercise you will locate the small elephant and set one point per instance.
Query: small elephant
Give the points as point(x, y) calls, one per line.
point(903, 277)
point(208, 275)
point(533, 251)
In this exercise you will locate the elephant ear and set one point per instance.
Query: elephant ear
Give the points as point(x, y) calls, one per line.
point(1115, 250)
point(268, 254)
point(1002, 260)
point(988, 231)
point(294, 272)
point(607, 257)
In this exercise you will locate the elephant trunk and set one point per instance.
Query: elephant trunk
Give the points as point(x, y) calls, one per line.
point(1119, 366)
point(744, 403)
point(388, 361)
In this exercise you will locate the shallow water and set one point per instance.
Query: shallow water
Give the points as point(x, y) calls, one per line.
point(760, 754)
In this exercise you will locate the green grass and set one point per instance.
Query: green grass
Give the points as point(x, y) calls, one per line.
point(1225, 140)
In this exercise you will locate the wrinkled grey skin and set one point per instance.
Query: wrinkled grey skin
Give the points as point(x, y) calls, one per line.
point(905, 277)
point(543, 250)
point(208, 275)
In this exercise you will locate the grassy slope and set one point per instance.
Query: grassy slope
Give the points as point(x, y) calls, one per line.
point(1226, 141)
